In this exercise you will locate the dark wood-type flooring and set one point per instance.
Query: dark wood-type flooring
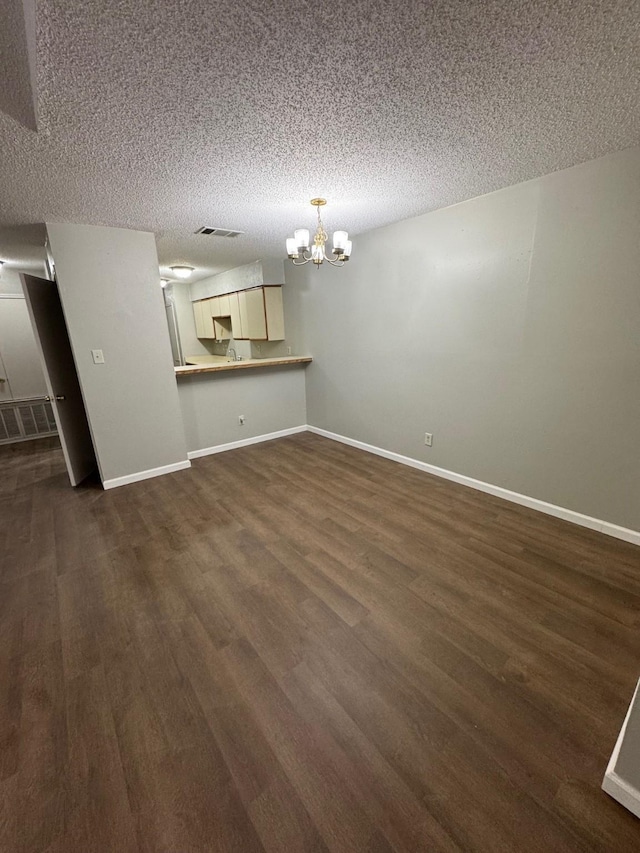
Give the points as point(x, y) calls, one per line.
point(298, 646)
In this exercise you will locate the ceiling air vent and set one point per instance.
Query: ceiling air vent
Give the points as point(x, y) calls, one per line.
point(217, 232)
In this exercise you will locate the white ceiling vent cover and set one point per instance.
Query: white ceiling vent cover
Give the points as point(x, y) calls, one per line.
point(209, 231)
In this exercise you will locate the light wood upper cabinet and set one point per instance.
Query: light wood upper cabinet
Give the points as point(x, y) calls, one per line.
point(197, 314)
point(274, 313)
point(223, 306)
point(255, 314)
point(236, 320)
point(252, 314)
point(204, 321)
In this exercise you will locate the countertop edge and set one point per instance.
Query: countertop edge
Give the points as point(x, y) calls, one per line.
point(191, 370)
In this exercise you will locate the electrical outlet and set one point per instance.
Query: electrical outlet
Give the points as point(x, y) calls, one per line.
point(258, 348)
point(241, 420)
point(288, 350)
point(428, 438)
point(98, 356)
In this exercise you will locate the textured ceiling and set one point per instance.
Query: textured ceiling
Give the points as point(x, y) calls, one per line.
point(165, 116)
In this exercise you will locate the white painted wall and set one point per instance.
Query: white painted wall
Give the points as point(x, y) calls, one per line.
point(507, 326)
point(111, 295)
point(271, 399)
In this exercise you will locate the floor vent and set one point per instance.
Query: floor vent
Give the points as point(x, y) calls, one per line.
point(217, 232)
point(26, 419)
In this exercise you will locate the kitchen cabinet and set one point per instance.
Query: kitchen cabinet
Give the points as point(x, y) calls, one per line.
point(274, 312)
point(255, 314)
point(197, 316)
point(220, 306)
point(234, 311)
point(223, 306)
point(252, 314)
point(204, 321)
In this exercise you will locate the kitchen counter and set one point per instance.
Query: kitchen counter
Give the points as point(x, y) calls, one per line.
point(245, 364)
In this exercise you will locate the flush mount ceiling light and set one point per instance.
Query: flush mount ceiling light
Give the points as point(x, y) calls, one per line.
point(182, 271)
point(299, 251)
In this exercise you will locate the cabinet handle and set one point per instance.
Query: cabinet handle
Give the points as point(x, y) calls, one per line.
point(55, 397)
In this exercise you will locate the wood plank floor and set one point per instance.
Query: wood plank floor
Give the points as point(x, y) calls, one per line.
point(298, 646)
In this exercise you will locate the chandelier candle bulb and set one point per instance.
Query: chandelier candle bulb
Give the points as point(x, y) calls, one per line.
point(346, 252)
point(301, 237)
point(292, 248)
point(339, 241)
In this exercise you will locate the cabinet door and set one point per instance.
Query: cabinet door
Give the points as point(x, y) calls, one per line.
point(255, 327)
point(274, 312)
point(236, 319)
point(197, 315)
point(214, 306)
point(207, 320)
point(224, 307)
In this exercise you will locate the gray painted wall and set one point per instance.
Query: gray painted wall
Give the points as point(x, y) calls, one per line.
point(19, 351)
point(10, 281)
point(271, 399)
point(112, 299)
point(508, 326)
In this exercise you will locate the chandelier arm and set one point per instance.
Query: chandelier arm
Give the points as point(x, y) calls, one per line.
point(300, 263)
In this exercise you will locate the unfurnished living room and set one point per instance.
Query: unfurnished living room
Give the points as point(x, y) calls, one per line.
point(319, 426)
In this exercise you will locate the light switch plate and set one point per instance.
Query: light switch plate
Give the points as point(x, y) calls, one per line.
point(98, 356)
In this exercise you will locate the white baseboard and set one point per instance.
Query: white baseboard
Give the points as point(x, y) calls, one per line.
point(145, 475)
point(245, 442)
point(615, 785)
point(621, 791)
point(614, 530)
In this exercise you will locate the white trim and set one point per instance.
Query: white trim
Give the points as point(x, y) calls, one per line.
point(145, 475)
point(621, 791)
point(598, 524)
point(615, 785)
point(245, 442)
point(11, 295)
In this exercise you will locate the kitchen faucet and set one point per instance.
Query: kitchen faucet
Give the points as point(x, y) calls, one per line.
point(235, 355)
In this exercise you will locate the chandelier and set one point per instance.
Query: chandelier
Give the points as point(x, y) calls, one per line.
point(299, 251)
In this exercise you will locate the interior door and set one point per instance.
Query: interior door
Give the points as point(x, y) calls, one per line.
point(47, 318)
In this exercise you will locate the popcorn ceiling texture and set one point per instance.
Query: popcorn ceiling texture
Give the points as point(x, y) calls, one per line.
point(165, 116)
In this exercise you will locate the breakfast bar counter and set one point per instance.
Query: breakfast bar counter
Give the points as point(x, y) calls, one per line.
point(245, 364)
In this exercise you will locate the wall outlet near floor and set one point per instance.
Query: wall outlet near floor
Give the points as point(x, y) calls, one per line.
point(428, 438)
point(288, 350)
point(241, 420)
